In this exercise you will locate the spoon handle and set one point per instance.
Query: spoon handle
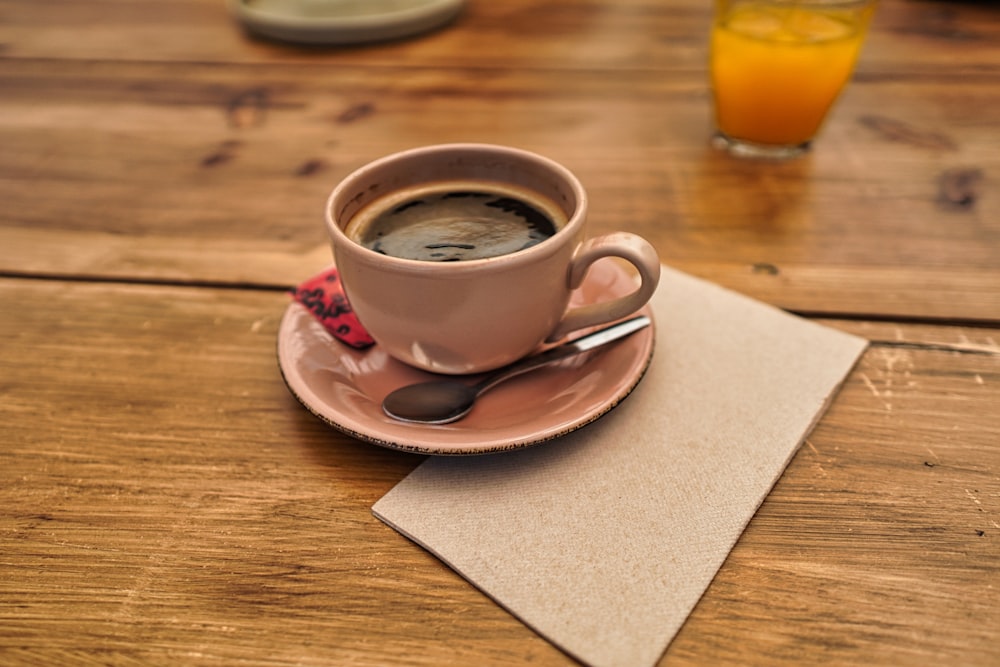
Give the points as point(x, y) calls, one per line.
point(567, 349)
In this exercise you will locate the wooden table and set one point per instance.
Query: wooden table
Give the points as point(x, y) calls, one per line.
point(162, 176)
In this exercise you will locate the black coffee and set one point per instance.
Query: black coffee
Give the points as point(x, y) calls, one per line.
point(455, 222)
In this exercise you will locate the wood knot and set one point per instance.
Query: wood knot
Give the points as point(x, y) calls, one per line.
point(766, 268)
point(904, 133)
point(225, 153)
point(248, 108)
point(959, 188)
point(310, 167)
point(356, 112)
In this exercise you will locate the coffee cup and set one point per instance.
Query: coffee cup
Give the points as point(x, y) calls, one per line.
point(461, 258)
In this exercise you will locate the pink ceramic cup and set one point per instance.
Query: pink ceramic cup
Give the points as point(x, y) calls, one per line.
point(478, 314)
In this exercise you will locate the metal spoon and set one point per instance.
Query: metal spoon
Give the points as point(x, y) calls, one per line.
point(446, 401)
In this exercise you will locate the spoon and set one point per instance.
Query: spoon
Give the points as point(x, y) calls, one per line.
point(446, 401)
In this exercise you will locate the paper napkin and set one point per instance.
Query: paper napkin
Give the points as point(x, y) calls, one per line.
point(604, 540)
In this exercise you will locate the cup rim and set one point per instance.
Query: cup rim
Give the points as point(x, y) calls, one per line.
point(342, 242)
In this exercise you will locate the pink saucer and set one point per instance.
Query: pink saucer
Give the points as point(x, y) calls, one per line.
point(345, 387)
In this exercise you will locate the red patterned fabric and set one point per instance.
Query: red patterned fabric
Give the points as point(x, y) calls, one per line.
point(324, 296)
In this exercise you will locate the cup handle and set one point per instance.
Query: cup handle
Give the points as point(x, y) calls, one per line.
point(637, 251)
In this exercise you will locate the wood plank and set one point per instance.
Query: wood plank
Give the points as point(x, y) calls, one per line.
point(195, 173)
point(164, 498)
point(921, 38)
point(892, 502)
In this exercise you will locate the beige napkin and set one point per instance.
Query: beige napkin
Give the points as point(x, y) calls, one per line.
point(604, 540)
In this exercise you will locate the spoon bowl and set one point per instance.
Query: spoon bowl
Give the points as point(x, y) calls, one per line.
point(448, 400)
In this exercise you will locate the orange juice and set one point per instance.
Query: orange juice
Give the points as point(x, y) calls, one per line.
point(777, 68)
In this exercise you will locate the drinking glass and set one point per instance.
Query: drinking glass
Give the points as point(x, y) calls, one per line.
point(776, 68)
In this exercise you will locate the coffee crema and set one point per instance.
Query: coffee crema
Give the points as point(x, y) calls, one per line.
point(456, 221)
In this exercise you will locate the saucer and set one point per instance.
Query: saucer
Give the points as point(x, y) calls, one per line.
point(344, 387)
point(342, 22)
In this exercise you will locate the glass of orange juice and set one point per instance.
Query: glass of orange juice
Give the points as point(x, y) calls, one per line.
point(777, 66)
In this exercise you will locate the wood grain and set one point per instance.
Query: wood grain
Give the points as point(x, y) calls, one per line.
point(938, 38)
point(165, 499)
point(154, 158)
